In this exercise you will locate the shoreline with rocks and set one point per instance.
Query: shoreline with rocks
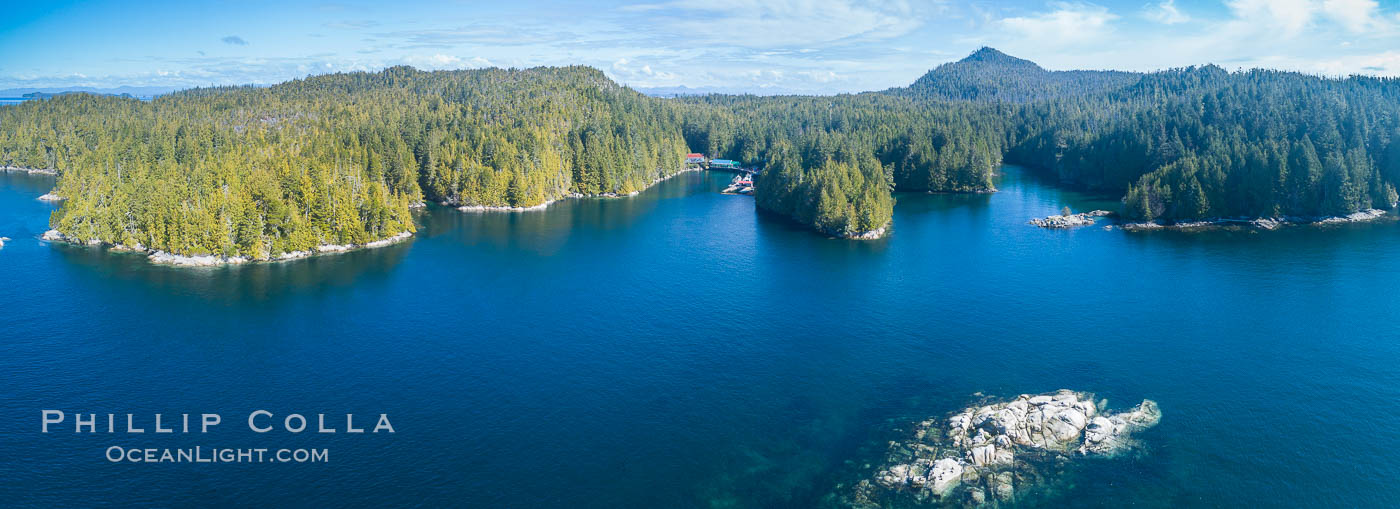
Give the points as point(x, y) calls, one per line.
point(1259, 223)
point(996, 451)
point(31, 171)
point(165, 258)
point(875, 234)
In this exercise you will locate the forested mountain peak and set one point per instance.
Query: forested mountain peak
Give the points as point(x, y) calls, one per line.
point(989, 75)
point(988, 55)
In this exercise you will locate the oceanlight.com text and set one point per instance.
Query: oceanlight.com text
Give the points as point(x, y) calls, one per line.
point(200, 454)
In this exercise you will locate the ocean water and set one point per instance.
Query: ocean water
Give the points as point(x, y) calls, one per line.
point(677, 349)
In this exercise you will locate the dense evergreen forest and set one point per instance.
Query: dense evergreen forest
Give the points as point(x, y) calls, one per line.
point(341, 159)
point(1177, 145)
point(334, 159)
point(831, 162)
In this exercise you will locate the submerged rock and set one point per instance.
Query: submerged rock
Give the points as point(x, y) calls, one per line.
point(990, 451)
point(1069, 221)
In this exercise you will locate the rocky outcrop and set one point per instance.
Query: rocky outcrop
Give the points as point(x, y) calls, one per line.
point(50, 197)
point(56, 236)
point(1355, 217)
point(990, 451)
point(1070, 221)
point(3, 240)
point(164, 258)
point(870, 235)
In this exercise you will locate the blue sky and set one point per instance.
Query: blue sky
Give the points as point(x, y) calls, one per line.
point(817, 46)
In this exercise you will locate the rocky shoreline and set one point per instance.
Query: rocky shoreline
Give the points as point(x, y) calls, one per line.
point(165, 258)
point(875, 234)
point(999, 449)
point(505, 208)
point(32, 171)
point(546, 204)
point(1071, 220)
point(1261, 223)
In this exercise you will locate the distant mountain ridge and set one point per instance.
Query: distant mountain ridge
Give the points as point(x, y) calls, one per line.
point(139, 92)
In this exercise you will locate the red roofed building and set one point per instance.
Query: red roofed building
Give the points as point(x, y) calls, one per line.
point(694, 158)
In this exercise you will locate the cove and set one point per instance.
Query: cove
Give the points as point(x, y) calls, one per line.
point(678, 349)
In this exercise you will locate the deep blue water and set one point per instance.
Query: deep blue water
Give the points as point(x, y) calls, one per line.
point(677, 349)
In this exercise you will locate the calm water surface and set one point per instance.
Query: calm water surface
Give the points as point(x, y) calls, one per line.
point(678, 350)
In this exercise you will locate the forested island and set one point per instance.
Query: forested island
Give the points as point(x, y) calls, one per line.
point(341, 159)
point(334, 160)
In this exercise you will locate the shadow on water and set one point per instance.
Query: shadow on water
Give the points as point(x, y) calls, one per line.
point(1045, 184)
point(547, 231)
point(931, 203)
point(254, 282)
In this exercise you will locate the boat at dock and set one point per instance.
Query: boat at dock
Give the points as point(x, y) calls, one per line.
point(742, 184)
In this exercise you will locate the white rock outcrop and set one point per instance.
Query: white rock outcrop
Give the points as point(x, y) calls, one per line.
point(1069, 221)
point(1355, 217)
point(164, 258)
point(994, 448)
point(870, 235)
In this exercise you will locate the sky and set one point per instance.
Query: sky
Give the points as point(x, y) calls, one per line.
point(759, 46)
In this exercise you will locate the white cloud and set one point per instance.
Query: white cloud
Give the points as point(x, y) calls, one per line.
point(628, 72)
point(440, 61)
point(1166, 13)
point(1386, 63)
point(1291, 16)
point(1068, 25)
point(1355, 15)
point(820, 76)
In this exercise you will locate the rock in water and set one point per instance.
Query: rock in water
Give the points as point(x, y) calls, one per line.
point(1069, 221)
point(994, 449)
point(946, 474)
